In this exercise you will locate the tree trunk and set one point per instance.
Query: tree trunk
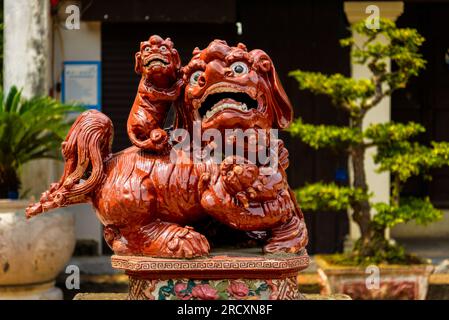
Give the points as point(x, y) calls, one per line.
point(372, 239)
point(362, 210)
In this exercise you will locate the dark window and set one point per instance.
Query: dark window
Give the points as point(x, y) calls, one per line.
point(426, 99)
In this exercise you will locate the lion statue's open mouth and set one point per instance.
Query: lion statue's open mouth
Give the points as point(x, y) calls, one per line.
point(155, 60)
point(231, 87)
point(222, 98)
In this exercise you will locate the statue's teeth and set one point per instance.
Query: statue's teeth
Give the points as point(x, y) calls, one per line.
point(215, 108)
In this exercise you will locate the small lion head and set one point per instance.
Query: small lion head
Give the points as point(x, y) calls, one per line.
point(158, 61)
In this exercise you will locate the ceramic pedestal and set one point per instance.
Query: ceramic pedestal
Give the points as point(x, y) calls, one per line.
point(236, 275)
point(33, 252)
point(396, 282)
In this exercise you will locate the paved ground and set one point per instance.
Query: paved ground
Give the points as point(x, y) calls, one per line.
point(435, 249)
point(123, 296)
point(97, 275)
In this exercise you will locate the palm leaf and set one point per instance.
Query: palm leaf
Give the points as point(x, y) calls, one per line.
point(30, 129)
point(12, 100)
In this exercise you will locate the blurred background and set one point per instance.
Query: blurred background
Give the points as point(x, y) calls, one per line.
point(296, 34)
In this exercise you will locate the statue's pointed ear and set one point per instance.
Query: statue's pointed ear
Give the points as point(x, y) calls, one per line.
point(284, 109)
point(176, 58)
point(281, 106)
point(138, 65)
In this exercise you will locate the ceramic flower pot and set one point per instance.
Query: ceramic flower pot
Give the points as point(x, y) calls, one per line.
point(33, 252)
point(383, 282)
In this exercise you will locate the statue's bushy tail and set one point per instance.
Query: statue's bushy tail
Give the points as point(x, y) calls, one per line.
point(86, 147)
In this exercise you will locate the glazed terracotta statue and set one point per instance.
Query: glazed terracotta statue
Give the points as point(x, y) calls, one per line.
point(159, 64)
point(147, 203)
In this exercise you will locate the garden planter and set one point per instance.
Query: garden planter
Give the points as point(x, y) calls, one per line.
point(405, 282)
point(33, 252)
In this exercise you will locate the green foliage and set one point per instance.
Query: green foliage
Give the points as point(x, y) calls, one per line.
point(402, 48)
point(390, 254)
point(420, 210)
point(344, 92)
point(389, 133)
point(356, 95)
point(405, 159)
point(322, 136)
point(321, 196)
point(29, 129)
point(396, 151)
point(1, 43)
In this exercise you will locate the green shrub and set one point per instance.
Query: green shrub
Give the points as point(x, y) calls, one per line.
point(29, 129)
point(396, 151)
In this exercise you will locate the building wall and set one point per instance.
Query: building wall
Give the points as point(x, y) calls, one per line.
point(409, 230)
point(426, 101)
point(76, 45)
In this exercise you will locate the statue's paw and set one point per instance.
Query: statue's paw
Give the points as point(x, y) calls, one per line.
point(238, 174)
point(116, 241)
point(159, 138)
point(187, 243)
point(171, 240)
point(291, 237)
point(249, 183)
point(119, 247)
point(157, 142)
point(163, 147)
point(291, 246)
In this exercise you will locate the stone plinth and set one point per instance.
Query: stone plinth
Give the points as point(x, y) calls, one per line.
point(396, 282)
point(124, 296)
point(225, 275)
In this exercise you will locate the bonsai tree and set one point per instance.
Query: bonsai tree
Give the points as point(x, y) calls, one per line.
point(396, 152)
point(29, 129)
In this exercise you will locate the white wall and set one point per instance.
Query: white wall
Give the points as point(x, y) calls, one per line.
point(26, 46)
point(73, 45)
point(76, 45)
point(35, 48)
point(435, 230)
point(378, 183)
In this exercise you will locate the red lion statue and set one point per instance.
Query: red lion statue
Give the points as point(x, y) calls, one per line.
point(146, 202)
point(159, 64)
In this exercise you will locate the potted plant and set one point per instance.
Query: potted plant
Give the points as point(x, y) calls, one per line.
point(33, 252)
point(402, 275)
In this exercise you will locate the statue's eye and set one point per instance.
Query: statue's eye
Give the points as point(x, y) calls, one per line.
point(147, 49)
point(239, 68)
point(195, 76)
point(162, 48)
